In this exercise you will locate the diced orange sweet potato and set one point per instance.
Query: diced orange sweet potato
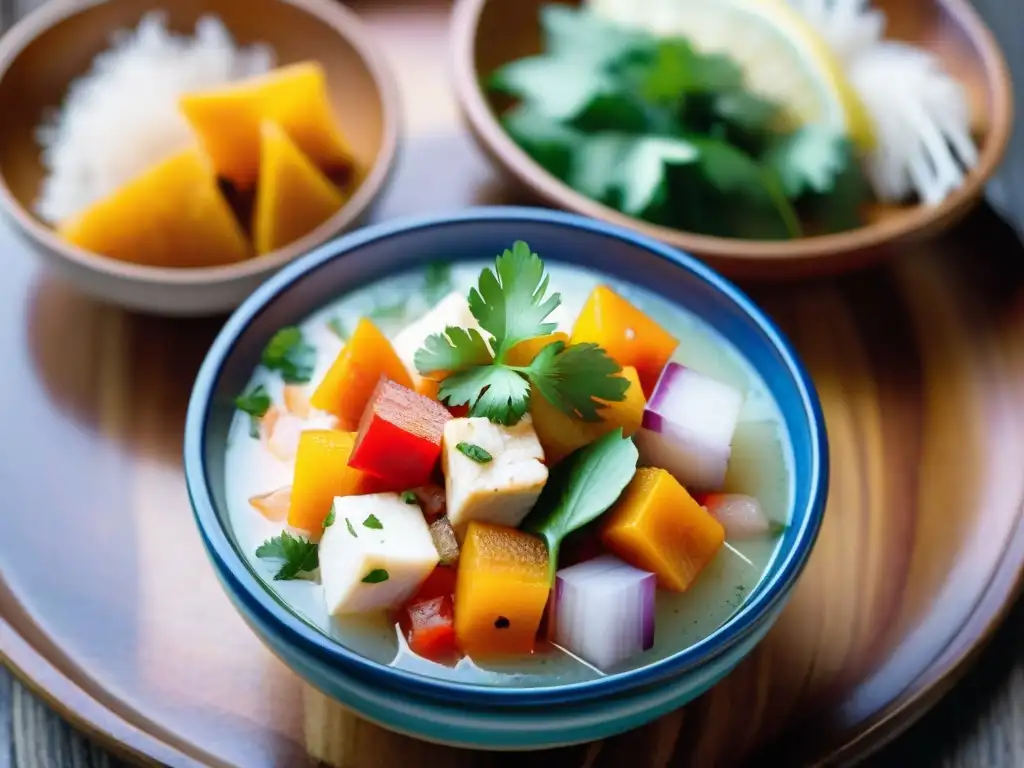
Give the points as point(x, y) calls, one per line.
point(561, 434)
point(501, 590)
point(427, 387)
point(628, 335)
point(321, 473)
point(351, 379)
point(173, 215)
point(292, 197)
point(657, 526)
point(524, 352)
point(227, 120)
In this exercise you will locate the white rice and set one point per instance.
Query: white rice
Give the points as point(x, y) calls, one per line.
point(122, 116)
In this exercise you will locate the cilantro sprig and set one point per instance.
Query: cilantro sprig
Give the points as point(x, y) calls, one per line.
point(256, 402)
point(295, 554)
point(659, 130)
point(511, 304)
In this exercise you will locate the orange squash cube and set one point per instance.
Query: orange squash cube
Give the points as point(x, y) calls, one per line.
point(293, 197)
point(561, 434)
point(628, 335)
point(657, 526)
point(321, 473)
point(524, 352)
point(173, 215)
point(501, 590)
point(349, 383)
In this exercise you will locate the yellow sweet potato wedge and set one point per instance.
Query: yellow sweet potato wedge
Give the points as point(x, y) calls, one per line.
point(501, 590)
point(657, 526)
point(321, 473)
point(292, 197)
point(227, 120)
point(348, 384)
point(173, 215)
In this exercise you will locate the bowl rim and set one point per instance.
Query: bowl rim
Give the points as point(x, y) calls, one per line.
point(347, 25)
point(242, 583)
point(496, 142)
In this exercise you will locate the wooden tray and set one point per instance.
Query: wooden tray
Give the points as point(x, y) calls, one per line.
point(111, 612)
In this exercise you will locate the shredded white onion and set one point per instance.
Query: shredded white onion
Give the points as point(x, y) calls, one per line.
point(604, 611)
point(740, 515)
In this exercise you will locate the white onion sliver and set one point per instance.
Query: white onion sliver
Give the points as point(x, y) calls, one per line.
point(604, 611)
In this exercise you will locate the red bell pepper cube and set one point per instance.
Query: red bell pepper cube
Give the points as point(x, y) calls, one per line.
point(432, 629)
point(399, 438)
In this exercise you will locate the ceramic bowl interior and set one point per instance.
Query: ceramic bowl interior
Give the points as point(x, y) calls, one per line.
point(489, 33)
point(370, 254)
point(42, 54)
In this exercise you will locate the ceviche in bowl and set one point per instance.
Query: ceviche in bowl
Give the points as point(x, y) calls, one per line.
point(508, 478)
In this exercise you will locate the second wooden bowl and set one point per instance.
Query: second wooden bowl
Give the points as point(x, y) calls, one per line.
point(489, 33)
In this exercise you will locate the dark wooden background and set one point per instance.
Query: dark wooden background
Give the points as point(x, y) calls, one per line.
point(979, 725)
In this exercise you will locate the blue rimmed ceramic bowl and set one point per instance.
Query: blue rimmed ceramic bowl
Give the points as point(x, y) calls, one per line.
point(476, 715)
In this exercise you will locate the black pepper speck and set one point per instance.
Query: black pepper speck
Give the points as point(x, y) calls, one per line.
point(502, 623)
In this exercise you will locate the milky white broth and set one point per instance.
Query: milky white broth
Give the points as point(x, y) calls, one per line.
point(759, 467)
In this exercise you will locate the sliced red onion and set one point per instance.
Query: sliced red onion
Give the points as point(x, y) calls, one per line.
point(688, 427)
point(604, 611)
point(741, 516)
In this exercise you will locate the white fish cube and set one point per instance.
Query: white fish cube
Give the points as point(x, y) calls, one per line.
point(452, 310)
point(375, 554)
point(502, 490)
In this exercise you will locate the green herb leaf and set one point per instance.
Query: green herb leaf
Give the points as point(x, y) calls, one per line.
point(376, 576)
point(474, 452)
point(809, 160)
point(437, 281)
point(581, 488)
point(509, 301)
point(297, 555)
point(747, 111)
point(255, 402)
point(559, 86)
point(289, 354)
point(576, 32)
point(576, 379)
point(410, 498)
point(337, 327)
point(329, 520)
point(546, 140)
point(453, 350)
point(348, 524)
point(492, 392)
point(373, 522)
point(395, 311)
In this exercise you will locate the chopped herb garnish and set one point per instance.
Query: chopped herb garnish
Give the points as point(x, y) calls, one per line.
point(376, 576)
point(437, 281)
point(348, 524)
point(373, 522)
point(296, 554)
point(290, 354)
point(510, 304)
point(580, 488)
point(255, 402)
point(475, 452)
point(410, 498)
point(337, 327)
point(395, 311)
point(329, 520)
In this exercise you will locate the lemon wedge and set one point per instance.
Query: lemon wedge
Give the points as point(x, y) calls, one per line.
point(781, 54)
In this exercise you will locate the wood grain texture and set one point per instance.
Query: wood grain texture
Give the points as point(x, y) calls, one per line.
point(919, 367)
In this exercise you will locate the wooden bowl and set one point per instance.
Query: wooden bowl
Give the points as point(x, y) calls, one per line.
point(489, 33)
point(42, 54)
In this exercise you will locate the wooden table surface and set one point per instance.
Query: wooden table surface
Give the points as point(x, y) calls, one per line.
point(979, 725)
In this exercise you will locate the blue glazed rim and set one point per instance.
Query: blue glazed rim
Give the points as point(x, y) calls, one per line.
point(269, 610)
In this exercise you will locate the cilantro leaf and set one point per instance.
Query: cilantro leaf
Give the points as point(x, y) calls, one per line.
point(509, 301)
point(455, 349)
point(298, 555)
point(376, 576)
point(546, 140)
point(558, 86)
point(373, 522)
point(577, 32)
point(746, 110)
point(493, 392)
point(288, 353)
point(337, 327)
point(474, 452)
point(580, 488)
point(256, 402)
point(809, 159)
point(329, 520)
point(575, 379)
